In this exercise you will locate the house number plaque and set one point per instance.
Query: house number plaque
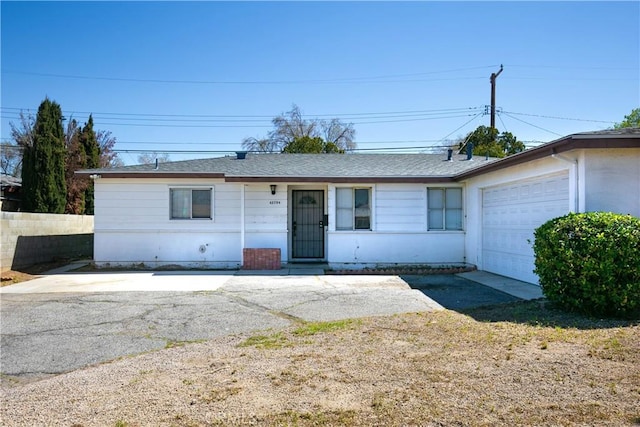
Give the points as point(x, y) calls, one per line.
point(274, 202)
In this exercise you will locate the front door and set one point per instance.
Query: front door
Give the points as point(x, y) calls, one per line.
point(307, 224)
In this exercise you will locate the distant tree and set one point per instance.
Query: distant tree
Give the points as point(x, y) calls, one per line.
point(75, 160)
point(10, 158)
point(339, 134)
point(43, 168)
point(487, 142)
point(291, 125)
point(22, 134)
point(151, 156)
point(83, 148)
point(12, 152)
point(316, 145)
point(91, 150)
point(260, 145)
point(108, 157)
point(630, 121)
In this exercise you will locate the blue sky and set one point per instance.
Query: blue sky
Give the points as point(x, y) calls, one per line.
point(187, 76)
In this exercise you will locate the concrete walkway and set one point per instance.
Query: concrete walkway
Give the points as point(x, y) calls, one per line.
point(522, 290)
point(211, 280)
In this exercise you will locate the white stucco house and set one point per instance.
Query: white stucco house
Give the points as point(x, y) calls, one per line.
point(357, 210)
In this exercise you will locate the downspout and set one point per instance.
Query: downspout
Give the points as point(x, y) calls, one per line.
point(574, 164)
point(242, 236)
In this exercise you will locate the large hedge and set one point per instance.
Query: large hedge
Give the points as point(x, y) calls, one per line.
point(590, 262)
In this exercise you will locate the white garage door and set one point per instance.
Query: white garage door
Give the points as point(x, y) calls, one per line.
point(510, 214)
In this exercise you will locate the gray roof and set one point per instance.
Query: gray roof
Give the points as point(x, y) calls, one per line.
point(363, 167)
point(610, 133)
point(319, 167)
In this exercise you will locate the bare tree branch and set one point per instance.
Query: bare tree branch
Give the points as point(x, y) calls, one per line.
point(291, 126)
point(149, 158)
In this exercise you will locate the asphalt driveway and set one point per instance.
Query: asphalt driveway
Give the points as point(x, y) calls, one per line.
point(457, 293)
point(64, 322)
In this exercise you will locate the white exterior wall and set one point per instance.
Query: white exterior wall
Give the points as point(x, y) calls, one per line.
point(266, 218)
point(399, 231)
point(528, 171)
point(612, 180)
point(133, 225)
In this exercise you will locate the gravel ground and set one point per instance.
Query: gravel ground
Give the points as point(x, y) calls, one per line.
point(433, 369)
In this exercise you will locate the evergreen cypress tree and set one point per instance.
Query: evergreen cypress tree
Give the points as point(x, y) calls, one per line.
point(43, 171)
point(89, 144)
point(75, 160)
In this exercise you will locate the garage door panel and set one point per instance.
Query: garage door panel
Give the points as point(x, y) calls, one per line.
point(510, 214)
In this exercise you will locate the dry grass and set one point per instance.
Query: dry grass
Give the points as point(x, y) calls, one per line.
point(518, 364)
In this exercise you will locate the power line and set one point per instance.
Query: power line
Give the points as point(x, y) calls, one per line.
point(571, 67)
point(460, 127)
point(190, 124)
point(371, 79)
point(344, 116)
point(530, 124)
point(558, 118)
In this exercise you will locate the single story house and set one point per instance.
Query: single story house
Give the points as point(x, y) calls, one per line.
point(359, 210)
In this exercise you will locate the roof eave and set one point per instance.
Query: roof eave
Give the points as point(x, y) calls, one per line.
point(343, 179)
point(571, 142)
point(149, 174)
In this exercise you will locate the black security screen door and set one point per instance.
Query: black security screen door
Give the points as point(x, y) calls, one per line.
point(307, 224)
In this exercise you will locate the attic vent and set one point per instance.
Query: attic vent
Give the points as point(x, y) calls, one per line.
point(241, 155)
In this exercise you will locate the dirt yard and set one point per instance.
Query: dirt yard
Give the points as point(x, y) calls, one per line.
point(9, 277)
point(517, 364)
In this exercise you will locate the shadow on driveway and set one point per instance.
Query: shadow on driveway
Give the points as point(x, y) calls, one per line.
point(456, 293)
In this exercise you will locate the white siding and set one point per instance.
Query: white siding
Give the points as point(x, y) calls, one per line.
point(400, 208)
point(133, 225)
point(368, 248)
point(266, 218)
point(140, 206)
point(265, 212)
point(399, 234)
point(612, 180)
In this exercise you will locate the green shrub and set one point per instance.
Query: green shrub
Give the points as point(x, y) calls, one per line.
point(590, 263)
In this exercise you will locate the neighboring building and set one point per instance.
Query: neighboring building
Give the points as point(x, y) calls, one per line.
point(358, 210)
point(10, 199)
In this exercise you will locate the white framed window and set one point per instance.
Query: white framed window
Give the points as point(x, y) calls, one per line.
point(191, 203)
point(353, 208)
point(444, 208)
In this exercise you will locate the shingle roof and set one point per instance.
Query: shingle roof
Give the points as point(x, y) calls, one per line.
point(363, 167)
point(307, 167)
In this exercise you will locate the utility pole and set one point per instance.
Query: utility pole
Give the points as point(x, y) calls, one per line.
point(493, 78)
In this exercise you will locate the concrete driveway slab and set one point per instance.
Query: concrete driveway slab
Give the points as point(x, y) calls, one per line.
point(131, 281)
